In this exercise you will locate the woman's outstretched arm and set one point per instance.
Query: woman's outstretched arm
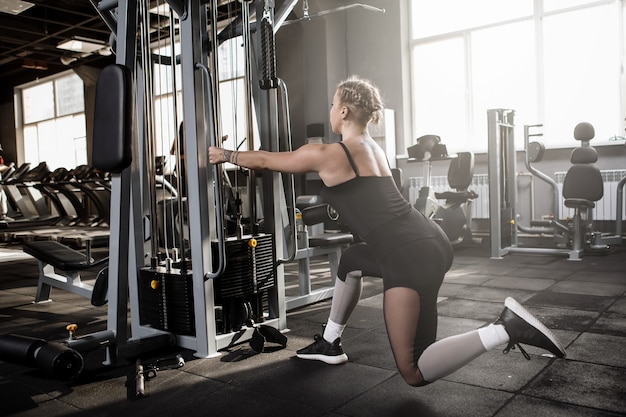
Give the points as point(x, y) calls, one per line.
point(307, 158)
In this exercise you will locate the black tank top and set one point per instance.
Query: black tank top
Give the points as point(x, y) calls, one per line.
point(367, 203)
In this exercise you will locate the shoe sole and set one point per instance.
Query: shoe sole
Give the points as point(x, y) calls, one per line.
point(527, 316)
point(331, 360)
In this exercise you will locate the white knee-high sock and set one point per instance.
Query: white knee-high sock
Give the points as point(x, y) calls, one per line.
point(447, 355)
point(345, 297)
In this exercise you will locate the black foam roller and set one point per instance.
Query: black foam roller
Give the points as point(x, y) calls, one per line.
point(56, 360)
point(19, 349)
point(59, 361)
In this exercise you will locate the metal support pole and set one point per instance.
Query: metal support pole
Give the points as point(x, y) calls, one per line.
point(201, 202)
point(620, 208)
point(120, 240)
point(494, 151)
point(267, 110)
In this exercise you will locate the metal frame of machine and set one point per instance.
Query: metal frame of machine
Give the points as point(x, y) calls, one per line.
point(134, 258)
point(502, 164)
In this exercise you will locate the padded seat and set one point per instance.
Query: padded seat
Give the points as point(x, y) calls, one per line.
point(331, 239)
point(460, 175)
point(52, 255)
point(456, 196)
point(578, 202)
point(58, 255)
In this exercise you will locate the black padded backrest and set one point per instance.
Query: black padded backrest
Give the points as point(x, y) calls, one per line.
point(396, 173)
point(583, 181)
point(461, 171)
point(113, 119)
point(584, 155)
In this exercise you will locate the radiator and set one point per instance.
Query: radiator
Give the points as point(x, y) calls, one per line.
point(606, 208)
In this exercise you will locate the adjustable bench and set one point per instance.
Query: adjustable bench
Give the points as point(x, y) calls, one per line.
point(52, 255)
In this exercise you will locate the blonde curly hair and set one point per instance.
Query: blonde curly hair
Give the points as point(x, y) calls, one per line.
point(363, 99)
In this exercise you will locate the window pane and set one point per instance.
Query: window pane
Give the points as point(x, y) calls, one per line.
point(233, 112)
point(38, 102)
point(79, 139)
point(435, 17)
point(47, 143)
point(438, 74)
point(80, 151)
point(231, 61)
point(62, 133)
point(31, 145)
point(164, 129)
point(551, 5)
point(162, 79)
point(163, 73)
point(582, 74)
point(503, 77)
point(69, 95)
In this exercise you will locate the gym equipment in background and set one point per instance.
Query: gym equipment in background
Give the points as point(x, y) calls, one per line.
point(582, 187)
point(454, 214)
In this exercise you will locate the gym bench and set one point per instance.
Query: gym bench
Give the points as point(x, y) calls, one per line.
point(52, 256)
point(330, 245)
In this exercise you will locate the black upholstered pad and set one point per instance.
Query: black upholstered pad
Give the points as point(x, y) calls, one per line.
point(57, 255)
point(113, 119)
point(327, 239)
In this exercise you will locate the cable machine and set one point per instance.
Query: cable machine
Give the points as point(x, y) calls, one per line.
point(208, 286)
point(188, 267)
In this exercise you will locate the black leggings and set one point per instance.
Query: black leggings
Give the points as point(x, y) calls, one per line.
point(419, 265)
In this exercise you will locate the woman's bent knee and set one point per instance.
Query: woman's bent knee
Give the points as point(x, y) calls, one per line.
point(413, 377)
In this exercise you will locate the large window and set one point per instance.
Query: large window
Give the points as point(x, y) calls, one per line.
point(53, 119)
point(555, 62)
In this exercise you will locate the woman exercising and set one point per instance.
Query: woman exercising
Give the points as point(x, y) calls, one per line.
point(410, 252)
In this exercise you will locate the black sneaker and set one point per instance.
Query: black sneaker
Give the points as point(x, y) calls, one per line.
point(525, 328)
point(321, 350)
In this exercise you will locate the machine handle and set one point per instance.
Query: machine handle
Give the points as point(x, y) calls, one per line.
point(221, 240)
point(535, 171)
point(268, 53)
point(282, 87)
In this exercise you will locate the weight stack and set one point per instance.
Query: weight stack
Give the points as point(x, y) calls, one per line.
point(249, 269)
point(242, 289)
point(166, 300)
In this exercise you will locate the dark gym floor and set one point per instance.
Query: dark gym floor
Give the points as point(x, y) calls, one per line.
point(583, 302)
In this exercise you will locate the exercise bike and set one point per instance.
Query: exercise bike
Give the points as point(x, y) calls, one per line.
point(455, 214)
